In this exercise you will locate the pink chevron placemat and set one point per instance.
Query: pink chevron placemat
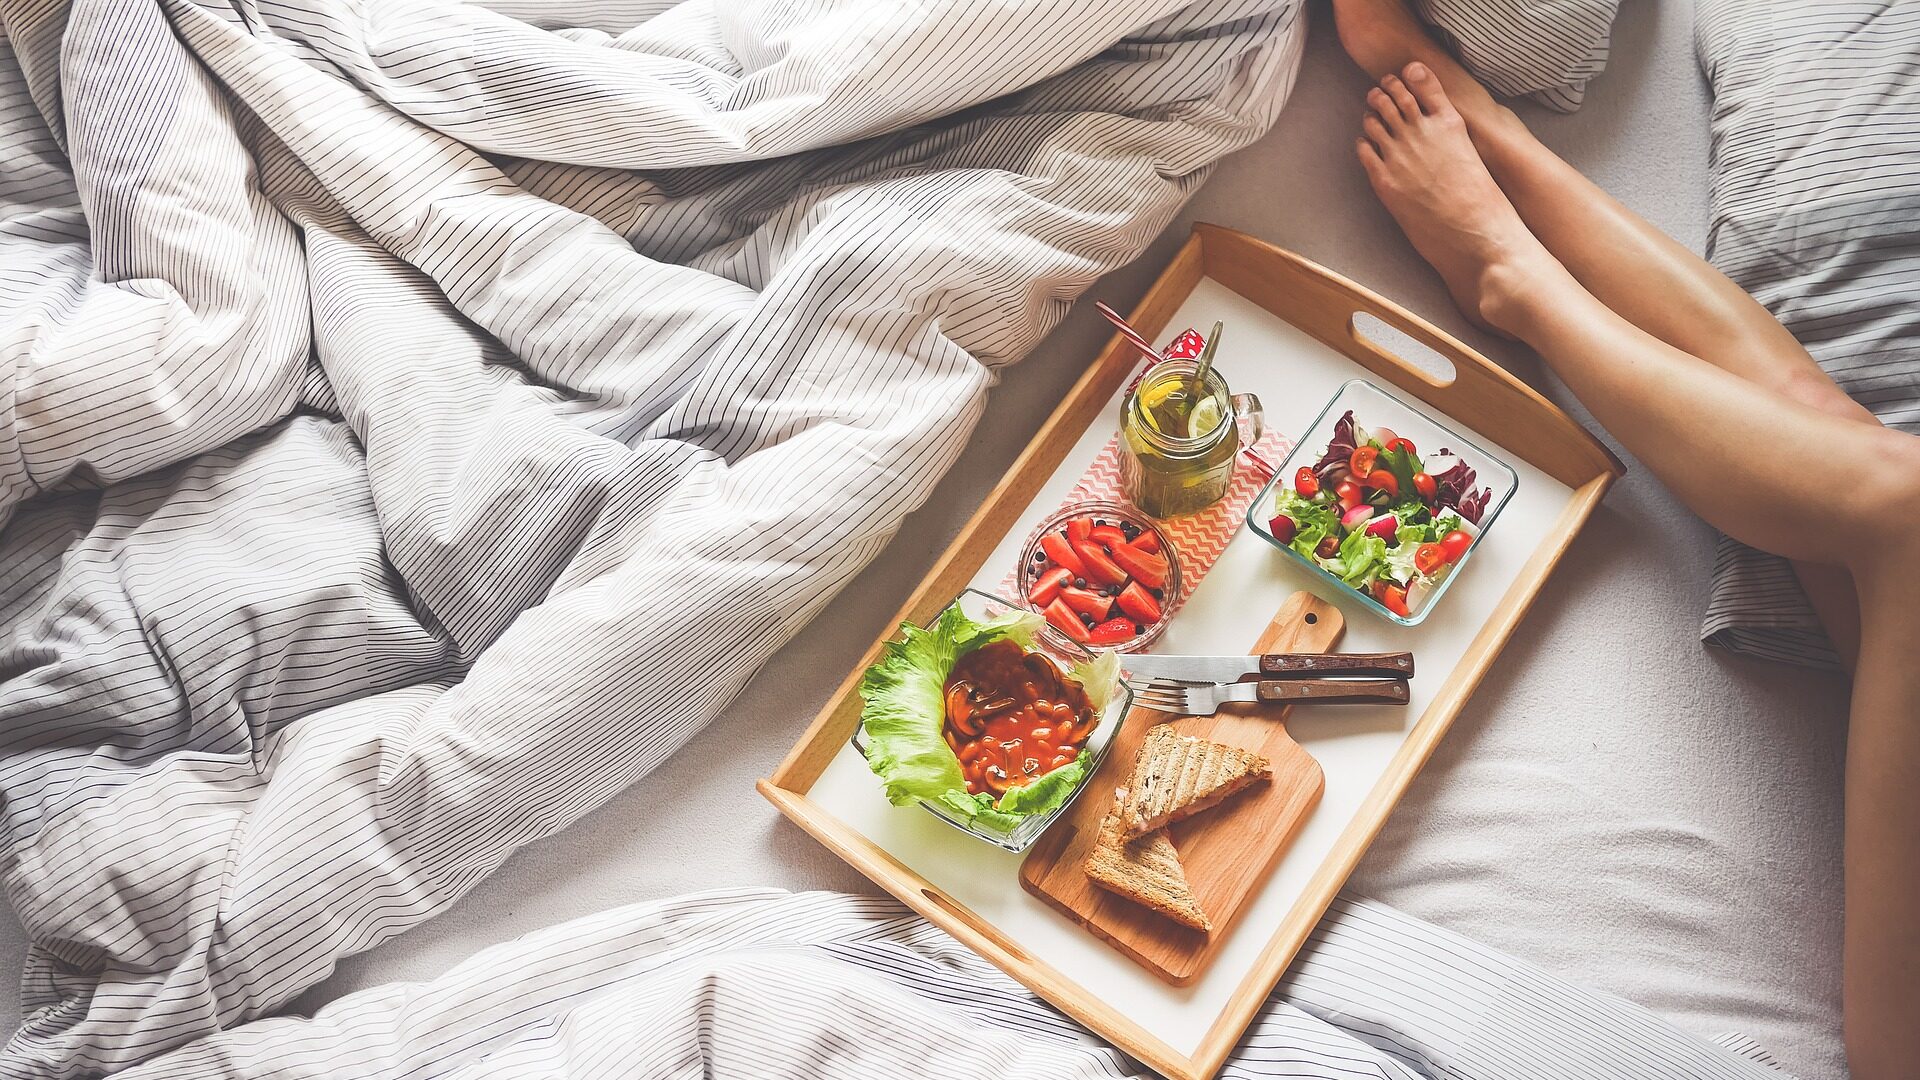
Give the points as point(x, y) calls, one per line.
point(1199, 538)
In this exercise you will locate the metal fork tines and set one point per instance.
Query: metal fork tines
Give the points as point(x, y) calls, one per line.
point(1206, 699)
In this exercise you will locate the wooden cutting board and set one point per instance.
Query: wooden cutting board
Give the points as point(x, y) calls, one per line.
point(1227, 851)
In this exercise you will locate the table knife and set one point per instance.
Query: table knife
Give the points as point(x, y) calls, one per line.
point(1226, 669)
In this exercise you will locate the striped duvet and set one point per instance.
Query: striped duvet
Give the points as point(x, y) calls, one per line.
point(417, 422)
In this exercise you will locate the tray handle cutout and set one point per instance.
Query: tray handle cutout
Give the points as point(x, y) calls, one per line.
point(1393, 343)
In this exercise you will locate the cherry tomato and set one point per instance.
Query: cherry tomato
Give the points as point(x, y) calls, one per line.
point(1391, 597)
point(1425, 487)
point(1328, 547)
point(1400, 444)
point(1362, 459)
point(1382, 480)
point(1350, 494)
point(1456, 544)
point(1430, 557)
point(1304, 482)
point(1382, 435)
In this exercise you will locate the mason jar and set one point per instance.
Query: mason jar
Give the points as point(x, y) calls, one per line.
point(1178, 457)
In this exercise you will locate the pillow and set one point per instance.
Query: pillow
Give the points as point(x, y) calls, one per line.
point(1543, 49)
point(1816, 212)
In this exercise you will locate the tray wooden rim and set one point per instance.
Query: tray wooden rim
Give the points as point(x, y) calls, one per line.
point(1481, 395)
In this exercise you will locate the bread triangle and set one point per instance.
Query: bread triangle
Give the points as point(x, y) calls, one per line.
point(1176, 776)
point(1146, 870)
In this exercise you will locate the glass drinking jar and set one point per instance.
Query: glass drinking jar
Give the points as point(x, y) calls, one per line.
point(1178, 456)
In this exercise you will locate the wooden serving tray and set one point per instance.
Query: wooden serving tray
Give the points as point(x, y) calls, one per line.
point(1295, 335)
point(1227, 851)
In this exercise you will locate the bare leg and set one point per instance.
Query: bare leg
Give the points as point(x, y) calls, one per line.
point(1632, 267)
point(1695, 425)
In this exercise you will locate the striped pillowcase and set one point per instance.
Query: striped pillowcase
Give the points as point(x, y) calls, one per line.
point(1816, 212)
point(1543, 49)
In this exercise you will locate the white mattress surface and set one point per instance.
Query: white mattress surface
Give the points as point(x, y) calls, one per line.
point(1617, 804)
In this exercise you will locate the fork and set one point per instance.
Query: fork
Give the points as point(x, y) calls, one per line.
point(1206, 699)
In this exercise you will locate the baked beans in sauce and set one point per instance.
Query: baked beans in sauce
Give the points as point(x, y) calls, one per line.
point(1012, 716)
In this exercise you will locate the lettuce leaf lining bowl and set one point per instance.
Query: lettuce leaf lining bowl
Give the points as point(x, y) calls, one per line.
point(903, 709)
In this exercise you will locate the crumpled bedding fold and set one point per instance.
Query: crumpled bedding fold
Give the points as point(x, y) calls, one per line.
point(759, 984)
point(415, 425)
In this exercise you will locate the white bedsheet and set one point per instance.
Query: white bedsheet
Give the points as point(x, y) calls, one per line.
point(1680, 830)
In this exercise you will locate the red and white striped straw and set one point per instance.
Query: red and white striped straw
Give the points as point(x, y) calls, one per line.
point(1127, 331)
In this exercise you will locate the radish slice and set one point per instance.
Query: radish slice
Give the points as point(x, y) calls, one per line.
point(1356, 516)
point(1384, 526)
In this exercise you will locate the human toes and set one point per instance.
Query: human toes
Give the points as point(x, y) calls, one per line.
point(1386, 108)
point(1396, 91)
point(1370, 160)
point(1376, 133)
point(1426, 90)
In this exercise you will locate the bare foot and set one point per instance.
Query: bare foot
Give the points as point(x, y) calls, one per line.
point(1384, 36)
point(1416, 152)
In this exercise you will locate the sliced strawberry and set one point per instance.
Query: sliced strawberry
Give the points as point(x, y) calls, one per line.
point(1087, 602)
point(1145, 567)
point(1066, 621)
point(1136, 601)
point(1100, 569)
point(1062, 553)
point(1148, 540)
point(1079, 528)
point(1108, 536)
point(1111, 632)
point(1048, 585)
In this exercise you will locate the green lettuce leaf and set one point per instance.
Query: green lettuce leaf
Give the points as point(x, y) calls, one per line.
point(1402, 465)
point(1362, 558)
point(1313, 521)
point(1400, 567)
point(904, 709)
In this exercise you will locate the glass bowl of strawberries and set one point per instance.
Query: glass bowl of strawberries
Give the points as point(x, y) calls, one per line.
point(1103, 575)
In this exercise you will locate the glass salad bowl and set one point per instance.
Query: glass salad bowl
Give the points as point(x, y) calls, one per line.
point(1375, 409)
point(909, 761)
point(1143, 604)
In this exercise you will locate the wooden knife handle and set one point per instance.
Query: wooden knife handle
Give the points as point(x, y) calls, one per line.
point(1386, 665)
point(1334, 691)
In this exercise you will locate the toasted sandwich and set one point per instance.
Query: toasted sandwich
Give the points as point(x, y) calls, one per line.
point(1177, 776)
point(1146, 870)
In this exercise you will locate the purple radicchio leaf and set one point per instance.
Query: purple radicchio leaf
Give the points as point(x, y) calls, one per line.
point(1345, 440)
point(1454, 490)
point(1475, 504)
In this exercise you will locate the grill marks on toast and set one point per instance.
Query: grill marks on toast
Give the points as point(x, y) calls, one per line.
point(1174, 776)
point(1177, 776)
point(1146, 870)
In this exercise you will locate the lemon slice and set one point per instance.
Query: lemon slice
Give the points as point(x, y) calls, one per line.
point(1153, 396)
point(1205, 417)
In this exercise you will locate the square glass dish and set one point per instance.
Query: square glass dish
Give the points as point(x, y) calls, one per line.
point(981, 607)
point(1373, 409)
